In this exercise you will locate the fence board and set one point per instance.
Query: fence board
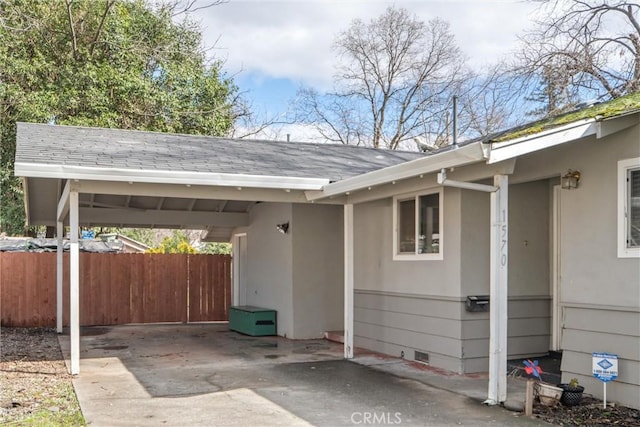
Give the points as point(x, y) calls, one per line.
point(209, 284)
point(116, 288)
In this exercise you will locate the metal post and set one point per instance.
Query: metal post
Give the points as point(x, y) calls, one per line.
point(348, 281)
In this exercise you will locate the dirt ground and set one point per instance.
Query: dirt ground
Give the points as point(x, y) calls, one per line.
point(589, 413)
point(37, 390)
point(35, 386)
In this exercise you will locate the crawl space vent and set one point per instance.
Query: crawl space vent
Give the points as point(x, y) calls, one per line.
point(421, 357)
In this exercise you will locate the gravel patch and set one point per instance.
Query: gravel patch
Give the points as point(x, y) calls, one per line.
point(36, 388)
point(588, 413)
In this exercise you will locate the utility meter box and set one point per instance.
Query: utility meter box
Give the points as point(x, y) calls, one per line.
point(254, 321)
point(477, 303)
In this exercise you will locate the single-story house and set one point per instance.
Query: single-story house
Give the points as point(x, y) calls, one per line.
point(502, 247)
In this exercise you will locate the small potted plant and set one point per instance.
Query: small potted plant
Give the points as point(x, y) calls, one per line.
point(571, 393)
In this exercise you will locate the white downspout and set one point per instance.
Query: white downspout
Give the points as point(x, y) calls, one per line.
point(498, 315)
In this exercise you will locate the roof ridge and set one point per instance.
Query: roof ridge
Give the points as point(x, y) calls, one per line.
point(225, 138)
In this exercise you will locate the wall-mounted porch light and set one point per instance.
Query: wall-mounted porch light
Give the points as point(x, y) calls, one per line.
point(283, 228)
point(570, 180)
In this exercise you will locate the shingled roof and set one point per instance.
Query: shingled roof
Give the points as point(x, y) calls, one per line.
point(52, 145)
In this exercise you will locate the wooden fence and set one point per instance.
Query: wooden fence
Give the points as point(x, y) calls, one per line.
point(116, 288)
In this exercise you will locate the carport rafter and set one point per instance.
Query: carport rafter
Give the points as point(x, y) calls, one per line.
point(142, 217)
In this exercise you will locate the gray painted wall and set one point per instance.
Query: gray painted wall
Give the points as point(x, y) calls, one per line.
point(399, 324)
point(375, 269)
point(318, 270)
point(600, 293)
point(269, 263)
point(403, 306)
point(299, 274)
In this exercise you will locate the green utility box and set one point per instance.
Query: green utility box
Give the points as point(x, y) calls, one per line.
point(254, 321)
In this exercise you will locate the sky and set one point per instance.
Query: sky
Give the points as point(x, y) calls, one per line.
point(272, 47)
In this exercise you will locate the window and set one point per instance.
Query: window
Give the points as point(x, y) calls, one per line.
point(417, 226)
point(629, 208)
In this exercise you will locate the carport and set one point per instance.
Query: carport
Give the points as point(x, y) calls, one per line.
point(84, 177)
point(79, 176)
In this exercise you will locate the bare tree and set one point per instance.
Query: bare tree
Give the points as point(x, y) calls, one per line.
point(490, 101)
point(583, 48)
point(395, 77)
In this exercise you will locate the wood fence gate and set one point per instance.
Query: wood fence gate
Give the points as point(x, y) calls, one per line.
point(116, 288)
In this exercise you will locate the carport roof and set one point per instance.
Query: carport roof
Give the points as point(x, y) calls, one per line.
point(73, 152)
point(150, 179)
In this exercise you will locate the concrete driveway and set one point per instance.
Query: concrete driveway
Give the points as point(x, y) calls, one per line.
point(205, 375)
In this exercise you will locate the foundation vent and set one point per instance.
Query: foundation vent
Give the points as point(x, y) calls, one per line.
point(421, 357)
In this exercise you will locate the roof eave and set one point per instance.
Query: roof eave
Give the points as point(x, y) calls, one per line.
point(471, 153)
point(35, 170)
point(517, 147)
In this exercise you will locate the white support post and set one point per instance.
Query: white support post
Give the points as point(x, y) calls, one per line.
point(59, 276)
point(74, 283)
point(348, 281)
point(498, 289)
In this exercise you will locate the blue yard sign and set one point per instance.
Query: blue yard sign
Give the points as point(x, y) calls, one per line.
point(605, 366)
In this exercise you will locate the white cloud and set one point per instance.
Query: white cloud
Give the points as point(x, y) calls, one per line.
point(292, 39)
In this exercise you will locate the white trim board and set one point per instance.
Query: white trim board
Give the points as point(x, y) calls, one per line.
point(36, 170)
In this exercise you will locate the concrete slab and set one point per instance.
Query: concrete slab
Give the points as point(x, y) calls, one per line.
point(203, 374)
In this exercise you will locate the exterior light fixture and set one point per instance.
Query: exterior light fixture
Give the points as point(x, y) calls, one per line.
point(570, 180)
point(283, 228)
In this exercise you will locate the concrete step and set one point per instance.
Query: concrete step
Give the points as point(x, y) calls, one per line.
point(335, 336)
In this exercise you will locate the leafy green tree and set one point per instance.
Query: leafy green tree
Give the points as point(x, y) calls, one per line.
point(216, 249)
point(177, 243)
point(108, 63)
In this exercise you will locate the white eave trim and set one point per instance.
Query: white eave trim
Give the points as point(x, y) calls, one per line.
point(35, 170)
point(527, 144)
point(471, 153)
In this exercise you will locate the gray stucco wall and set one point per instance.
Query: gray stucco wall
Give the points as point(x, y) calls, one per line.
point(269, 263)
point(600, 293)
point(299, 274)
point(375, 269)
point(318, 270)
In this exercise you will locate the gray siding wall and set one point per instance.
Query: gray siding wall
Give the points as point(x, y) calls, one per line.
point(318, 272)
point(403, 306)
point(399, 324)
point(588, 329)
point(528, 332)
point(600, 293)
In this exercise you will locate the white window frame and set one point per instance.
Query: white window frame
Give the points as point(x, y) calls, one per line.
point(623, 199)
point(397, 256)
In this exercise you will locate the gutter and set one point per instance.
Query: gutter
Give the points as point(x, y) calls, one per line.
point(509, 149)
point(467, 154)
point(71, 172)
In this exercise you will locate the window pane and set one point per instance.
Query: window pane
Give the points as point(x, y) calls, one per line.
point(634, 209)
point(429, 224)
point(407, 226)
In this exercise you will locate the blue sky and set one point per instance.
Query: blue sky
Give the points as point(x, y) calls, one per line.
point(271, 47)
